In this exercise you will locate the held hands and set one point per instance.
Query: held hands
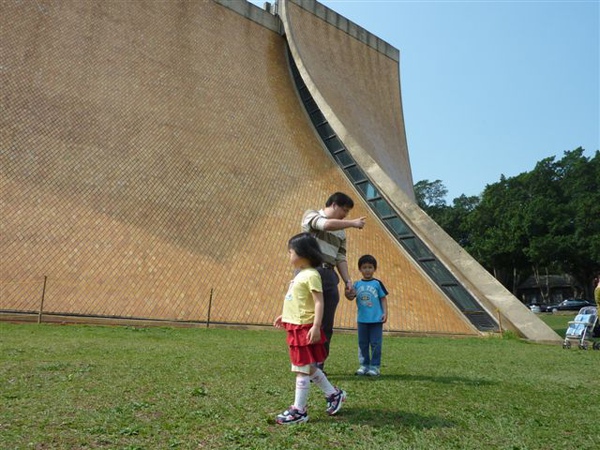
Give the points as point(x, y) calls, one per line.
point(349, 291)
point(350, 294)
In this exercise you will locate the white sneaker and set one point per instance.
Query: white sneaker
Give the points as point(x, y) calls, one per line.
point(292, 416)
point(373, 372)
point(362, 370)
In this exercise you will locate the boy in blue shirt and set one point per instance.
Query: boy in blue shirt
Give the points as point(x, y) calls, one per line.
point(371, 301)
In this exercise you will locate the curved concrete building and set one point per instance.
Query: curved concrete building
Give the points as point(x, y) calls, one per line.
point(155, 157)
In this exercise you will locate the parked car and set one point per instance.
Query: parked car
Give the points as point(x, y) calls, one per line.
point(570, 304)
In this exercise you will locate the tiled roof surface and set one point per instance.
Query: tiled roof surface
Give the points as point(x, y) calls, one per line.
point(154, 156)
point(360, 85)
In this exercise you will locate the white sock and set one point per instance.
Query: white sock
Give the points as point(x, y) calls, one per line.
point(322, 382)
point(302, 391)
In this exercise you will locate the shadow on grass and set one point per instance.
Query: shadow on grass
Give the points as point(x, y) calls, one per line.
point(379, 418)
point(416, 378)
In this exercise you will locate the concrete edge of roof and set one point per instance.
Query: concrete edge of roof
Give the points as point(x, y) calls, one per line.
point(253, 13)
point(270, 19)
point(349, 27)
point(363, 158)
point(494, 297)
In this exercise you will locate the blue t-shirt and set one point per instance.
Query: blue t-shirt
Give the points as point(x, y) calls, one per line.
point(368, 300)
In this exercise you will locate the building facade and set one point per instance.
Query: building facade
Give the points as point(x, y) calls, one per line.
point(155, 157)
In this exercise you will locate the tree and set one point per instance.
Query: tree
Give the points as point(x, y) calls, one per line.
point(543, 221)
point(496, 230)
point(431, 198)
point(430, 194)
point(455, 219)
point(563, 216)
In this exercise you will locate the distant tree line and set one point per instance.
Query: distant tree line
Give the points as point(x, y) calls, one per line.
point(546, 221)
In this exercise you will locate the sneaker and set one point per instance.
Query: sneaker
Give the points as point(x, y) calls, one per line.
point(373, 372)
point(362, 370)
point(292, 416)
point(334, 401)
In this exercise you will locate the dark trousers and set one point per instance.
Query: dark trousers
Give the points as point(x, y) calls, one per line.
point(331, 298)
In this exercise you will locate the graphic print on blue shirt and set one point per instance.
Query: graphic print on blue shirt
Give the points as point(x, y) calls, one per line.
point(368, 300)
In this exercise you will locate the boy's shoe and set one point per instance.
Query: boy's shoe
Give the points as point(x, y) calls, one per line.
point(292, 416)
point(373, 372)
point(362, 370)
point(334, 401)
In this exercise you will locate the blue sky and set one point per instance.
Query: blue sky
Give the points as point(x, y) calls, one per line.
point(490, 88)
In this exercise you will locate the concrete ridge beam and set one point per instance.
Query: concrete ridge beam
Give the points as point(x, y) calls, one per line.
point(253, 12)
point(351, 28)
point(493, 297)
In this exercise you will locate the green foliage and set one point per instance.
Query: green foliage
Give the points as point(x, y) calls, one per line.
point(543, 221)
point(75, 387)
point(430, 197)
point(430, 193)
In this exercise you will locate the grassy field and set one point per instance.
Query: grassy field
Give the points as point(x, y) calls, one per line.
point(558, 321)
point(84, 387)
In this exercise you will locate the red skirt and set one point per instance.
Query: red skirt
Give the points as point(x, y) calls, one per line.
point(301, 352)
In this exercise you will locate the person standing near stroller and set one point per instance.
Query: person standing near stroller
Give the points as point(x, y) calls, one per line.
point(371, 303)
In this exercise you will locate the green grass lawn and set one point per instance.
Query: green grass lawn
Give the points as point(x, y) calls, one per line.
point(559, 322)
point(87, 387)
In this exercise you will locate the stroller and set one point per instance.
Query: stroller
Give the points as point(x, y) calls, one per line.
point(583, 328)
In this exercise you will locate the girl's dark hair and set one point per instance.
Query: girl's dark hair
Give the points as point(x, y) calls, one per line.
point(367, 259)
point(306, 246)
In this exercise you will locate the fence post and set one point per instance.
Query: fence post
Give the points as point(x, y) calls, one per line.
point(499, 320)
point(209, 308)
point(42, 301)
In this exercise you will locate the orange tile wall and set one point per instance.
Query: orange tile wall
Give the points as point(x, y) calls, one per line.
point(154, 152)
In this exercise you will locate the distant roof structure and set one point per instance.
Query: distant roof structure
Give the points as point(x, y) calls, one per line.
point(548, 280)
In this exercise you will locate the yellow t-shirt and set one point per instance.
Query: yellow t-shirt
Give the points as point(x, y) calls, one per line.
point(299, 306)
point(597, 295)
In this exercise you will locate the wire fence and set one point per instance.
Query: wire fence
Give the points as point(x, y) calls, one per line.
point(46, 299)
point(126, 301)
